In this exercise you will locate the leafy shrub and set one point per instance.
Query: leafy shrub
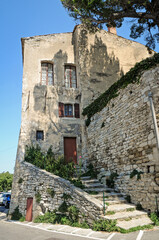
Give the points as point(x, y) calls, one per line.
point(105, 225)
point(6, 179)
point(73, 213)
point(139, 206)
point(128, 198)
point(16, 215)
point(91, 171)
point(20, 180)
point(48, 217)
point(51, 192)
point(38, 197)
point(137, 173)
point(77, 183)
point(49, 162)
point(63, 208)
point(154, 218)
point(111, 180)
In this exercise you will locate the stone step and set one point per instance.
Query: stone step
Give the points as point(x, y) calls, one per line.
point(99, 189)
point(122, 207)
point(90, 181)
point(134, 222)
point(114, 202)
point(126, 215)
point(94, 185)
point(86, 178)
point(110, 196)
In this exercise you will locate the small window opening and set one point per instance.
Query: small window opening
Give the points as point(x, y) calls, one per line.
point(148, 169)
point(39, 135)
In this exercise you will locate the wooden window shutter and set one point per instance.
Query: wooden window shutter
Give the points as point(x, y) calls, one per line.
point(61, 109)
point(77, 110)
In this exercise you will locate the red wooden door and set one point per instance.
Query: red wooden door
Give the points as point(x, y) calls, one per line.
point(29, 210)
point(70, 152)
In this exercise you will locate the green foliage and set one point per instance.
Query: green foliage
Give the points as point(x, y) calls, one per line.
point(103, 124)
point(133, 76)
point(6, 179)
point(105, 225)
point(154, 218)
point(110, 213)
point(111, 180)
point(38, 197)
point(91, 171)
point(136, 173)
point(51, 192)
point(69, 216)
point(73, 213)
point(63, 208)
point(77, 183)
point(48, 217)
point(130, 209)
point(134, 229)
point(20, 180)
point(22, 219)
point(80, 224)
point(139, 206)
point(49, 162)
point(128, 198)
point(66, 196)
point(101, 13)
point(16, 215)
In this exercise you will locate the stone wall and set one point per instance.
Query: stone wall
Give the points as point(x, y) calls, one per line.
point(121, 139)
point(35, 180)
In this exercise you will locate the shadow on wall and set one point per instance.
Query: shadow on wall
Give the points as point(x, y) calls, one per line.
point(99, 70)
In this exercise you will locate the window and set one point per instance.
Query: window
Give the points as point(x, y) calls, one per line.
point(70, 76)
point(69, 110)
point(47, 74)
point(39, 135)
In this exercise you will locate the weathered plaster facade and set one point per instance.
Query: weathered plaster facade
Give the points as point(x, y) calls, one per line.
point(100, 60)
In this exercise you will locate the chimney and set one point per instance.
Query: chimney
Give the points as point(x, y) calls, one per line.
point(112, 30)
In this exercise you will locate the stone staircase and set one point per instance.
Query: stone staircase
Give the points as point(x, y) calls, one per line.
point(117, 208)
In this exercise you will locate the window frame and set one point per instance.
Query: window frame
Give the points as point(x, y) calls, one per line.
point(75, 110)
point(37, 132)
point(47, 73)
point(70, 80)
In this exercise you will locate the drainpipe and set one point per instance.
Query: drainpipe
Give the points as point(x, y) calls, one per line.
point(154, 118)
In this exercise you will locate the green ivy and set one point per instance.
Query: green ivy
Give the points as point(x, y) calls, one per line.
point(133, 76)
point(51, 192)
point(38, 197)
point(16, 215)
point(137, 173)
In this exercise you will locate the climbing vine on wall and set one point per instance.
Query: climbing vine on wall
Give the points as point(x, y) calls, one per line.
point(133, 76)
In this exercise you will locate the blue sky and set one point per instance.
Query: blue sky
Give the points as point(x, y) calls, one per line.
point(23, 19)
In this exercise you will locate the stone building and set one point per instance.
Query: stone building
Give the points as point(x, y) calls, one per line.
point(62, 74)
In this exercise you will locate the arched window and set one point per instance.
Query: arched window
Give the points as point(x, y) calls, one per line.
point(47, 75)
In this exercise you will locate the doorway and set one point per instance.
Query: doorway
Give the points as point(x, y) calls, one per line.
point(70, 152)
point(29, 210)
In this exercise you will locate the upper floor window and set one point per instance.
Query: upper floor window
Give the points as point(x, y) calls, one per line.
point(47, 73)
point(70, 76)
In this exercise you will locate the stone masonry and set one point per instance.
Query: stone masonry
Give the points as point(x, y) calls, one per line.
point(121, 138)
point(99, 59)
